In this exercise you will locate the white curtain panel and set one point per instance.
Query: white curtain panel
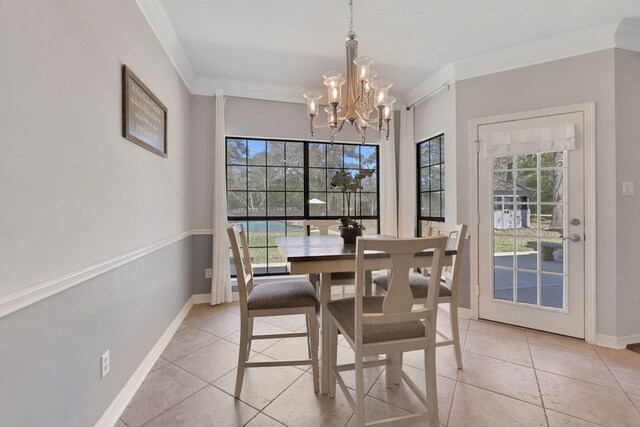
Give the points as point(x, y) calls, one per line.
point(529, 141)
point(388, 195)
point(221, 277)
point(407, 175)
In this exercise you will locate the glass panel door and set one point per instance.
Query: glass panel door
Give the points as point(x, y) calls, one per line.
point(528, 227)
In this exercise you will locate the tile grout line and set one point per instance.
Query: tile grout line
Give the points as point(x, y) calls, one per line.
point(618, 381)
point(502, 360)
point(168, 409)
point(574, 379)
point(535, 373)
point(282, 392)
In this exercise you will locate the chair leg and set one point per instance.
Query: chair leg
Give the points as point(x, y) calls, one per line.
point(455, 332)
point(312, 331)
point(308, 337)
point(432, 387)
point(393, 374)
point(249, 336)
point(242, 354)
point(333, 357)
point(360, 390)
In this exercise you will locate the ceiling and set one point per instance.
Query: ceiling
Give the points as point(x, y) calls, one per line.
point(290, 43)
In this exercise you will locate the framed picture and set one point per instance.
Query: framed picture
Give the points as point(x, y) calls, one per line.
point(144, 117)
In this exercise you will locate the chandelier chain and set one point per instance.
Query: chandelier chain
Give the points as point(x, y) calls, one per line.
point(350, 15)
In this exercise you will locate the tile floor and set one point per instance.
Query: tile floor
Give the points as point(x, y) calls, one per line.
point(512, 377)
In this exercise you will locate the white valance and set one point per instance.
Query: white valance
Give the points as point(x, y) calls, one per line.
point(528, 141)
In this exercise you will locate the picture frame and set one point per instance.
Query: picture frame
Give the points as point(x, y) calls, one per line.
point(144, 116)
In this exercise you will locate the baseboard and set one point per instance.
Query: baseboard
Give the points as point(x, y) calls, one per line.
point(464, 312)
point(616, 342)
point(206, 298)
point(201, 298)
point(117, 407)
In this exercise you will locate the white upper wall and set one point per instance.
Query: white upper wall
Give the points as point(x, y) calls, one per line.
point(73, 191)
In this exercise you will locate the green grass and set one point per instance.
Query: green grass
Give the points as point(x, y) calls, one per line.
point(503, 240)
point(258, 241)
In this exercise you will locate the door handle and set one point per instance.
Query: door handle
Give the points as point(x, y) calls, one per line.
point(574, 238)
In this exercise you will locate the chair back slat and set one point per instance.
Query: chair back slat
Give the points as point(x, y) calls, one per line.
point(241, 260)
point(399, 298)
point(398, 301)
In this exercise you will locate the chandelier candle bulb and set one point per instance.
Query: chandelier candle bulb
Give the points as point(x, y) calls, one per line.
point(388, 107)
point(312, 103)
point(380, 91)
point(363, 63)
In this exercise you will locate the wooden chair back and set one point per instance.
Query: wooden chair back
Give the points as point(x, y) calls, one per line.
point(459, 233)
point(241, 260)
point(398, 301)
point(322, 225)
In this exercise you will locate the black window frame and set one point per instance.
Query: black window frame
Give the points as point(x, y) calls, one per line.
point(266, 218)
point(441, 189)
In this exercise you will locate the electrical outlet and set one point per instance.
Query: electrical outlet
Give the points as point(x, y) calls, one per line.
point(207, 273)
point(627, 188)
point(105, 364)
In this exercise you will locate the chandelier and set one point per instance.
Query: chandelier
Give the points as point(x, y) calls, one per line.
point(365, 102)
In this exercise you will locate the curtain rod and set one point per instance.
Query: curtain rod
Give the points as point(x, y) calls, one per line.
point(433, 92)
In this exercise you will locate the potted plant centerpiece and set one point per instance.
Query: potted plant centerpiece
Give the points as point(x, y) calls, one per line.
point(350, 184)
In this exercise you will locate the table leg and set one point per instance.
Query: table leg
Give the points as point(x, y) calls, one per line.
point(325, 297)
point(367, 282)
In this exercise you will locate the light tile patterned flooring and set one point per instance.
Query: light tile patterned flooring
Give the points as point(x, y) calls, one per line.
point(511, 377)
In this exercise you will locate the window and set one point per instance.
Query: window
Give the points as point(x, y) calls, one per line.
point(430, 177)
point(273, 185)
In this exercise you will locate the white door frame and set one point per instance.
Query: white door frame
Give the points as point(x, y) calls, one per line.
point(588, 109)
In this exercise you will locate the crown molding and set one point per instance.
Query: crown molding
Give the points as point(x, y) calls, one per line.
point(628, 35)
point(547, 50)
point(160, 24)
point(551, 49)
point(624, 34)
point(436, 81)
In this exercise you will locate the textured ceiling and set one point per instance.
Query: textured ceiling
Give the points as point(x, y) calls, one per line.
point(292, 42)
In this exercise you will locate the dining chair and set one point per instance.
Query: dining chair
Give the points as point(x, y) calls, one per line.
point(389, 324)
point(270, 299)
point(343, 279)
point(448, 286)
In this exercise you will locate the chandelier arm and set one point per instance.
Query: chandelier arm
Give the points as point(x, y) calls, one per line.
point(370, 122)
point(322, 125)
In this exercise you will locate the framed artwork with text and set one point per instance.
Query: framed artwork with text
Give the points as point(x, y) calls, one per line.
point(144, 117)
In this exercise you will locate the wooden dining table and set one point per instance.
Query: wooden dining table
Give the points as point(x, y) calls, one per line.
point(325, 255)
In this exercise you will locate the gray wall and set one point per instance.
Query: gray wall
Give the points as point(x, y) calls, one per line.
point(202, 119)
point(50, 351)
point(74, 192)
point(433, 116)
point(583, 78)
point(272, 119)
point(202, 247)
point(627, 73)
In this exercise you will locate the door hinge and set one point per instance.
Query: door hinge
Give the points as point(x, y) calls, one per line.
point(477, 146)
